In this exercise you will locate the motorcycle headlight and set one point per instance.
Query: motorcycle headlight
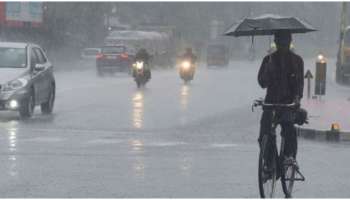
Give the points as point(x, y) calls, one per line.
point(186, 64)
point(139, 65)
point(14, 85)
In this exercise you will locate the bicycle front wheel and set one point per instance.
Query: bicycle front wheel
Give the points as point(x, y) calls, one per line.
point(287, 179)
point(267, 173)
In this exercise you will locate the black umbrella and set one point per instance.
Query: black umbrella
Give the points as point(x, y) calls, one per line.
point(268, 25)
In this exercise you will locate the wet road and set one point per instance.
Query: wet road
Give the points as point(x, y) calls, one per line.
point(108, 139)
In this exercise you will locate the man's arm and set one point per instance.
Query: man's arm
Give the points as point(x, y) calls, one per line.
point(300, 77)
point(301, 87)
point(263, 76)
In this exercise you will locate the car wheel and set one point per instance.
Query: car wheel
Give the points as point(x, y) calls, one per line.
point(27, 106)
point(47, 107)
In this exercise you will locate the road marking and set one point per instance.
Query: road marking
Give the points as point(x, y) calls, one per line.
point(42, 139)
point(103, 141)
point(224, 145)
point(165, 144)
point(68, 130)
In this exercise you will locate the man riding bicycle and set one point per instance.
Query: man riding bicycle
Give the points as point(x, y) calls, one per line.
point(281, 73)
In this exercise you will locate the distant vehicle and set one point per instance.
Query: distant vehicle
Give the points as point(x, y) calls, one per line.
point(342, 74)
point(22, 14)
point(217, 55)
point(90, 53)
point(158, 43)
point(343, 58)
point(26, 79)
point(186, 70)
point(114, 58)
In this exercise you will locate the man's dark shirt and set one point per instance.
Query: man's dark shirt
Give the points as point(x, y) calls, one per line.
point(283, 76)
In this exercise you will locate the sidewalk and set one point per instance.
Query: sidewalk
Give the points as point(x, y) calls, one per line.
point(332, 108)
point(322, 114)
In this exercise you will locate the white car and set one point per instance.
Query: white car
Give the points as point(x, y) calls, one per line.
point(26, 79)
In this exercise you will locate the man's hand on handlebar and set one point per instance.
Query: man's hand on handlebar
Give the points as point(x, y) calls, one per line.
point(260, 102)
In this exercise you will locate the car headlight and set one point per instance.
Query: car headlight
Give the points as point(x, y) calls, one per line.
point(14, 85)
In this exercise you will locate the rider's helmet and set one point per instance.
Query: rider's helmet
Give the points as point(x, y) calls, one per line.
point(143, 50)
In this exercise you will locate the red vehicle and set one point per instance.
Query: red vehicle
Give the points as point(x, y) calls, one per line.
point(114, 58)
point(21, 14)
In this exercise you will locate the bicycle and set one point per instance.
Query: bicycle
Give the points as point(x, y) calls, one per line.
point(272, 164)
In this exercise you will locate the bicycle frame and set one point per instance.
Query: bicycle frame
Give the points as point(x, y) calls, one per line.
point(281, 167)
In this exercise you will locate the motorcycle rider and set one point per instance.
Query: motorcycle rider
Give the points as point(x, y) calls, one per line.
point(144, 56)
point(281, 73)
point(189, 55)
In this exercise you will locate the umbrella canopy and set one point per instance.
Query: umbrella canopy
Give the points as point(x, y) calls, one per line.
point(268, 25)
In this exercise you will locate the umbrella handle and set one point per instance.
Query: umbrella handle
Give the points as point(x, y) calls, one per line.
point(255, 28)
point(252, 42)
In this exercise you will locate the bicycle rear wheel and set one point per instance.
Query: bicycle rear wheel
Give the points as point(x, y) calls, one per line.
point(267, 178)
point(287, 179)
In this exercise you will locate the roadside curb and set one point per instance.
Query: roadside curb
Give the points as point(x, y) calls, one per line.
point(323, 135)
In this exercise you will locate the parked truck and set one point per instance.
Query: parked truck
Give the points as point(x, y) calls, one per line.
point(21, 14)
point(343, 56)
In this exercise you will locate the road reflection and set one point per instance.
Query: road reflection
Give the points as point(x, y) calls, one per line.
point(139, 167)
point(136, 145)
point(138, 164)
point(186, 164)
point(11, 134)
point(138, 109)
point(184, 94)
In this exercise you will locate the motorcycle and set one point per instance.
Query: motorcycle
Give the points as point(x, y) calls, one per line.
point(186, 71)
point(140, 74)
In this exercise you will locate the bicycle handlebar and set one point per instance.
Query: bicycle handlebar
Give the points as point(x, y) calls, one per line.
point(263, 104)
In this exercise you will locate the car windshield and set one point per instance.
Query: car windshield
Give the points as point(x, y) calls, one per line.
point(90, 52)
point(113, 50)
point(12, 57)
